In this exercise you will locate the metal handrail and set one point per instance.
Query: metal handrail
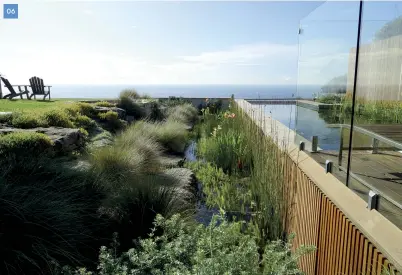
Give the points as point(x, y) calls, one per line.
point(369, 133)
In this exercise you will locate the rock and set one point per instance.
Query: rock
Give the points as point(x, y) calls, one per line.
point(184, 176)
point(130, 119)
point(65, 139)
point(119, 111)
point(100, 138)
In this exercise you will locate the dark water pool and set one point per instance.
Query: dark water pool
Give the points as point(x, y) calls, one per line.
point(307, 123)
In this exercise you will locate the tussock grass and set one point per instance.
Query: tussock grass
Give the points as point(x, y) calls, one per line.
point(131, 173)
point(172, 135)
point(127, 102)
point(185, 113)
point(49, 213)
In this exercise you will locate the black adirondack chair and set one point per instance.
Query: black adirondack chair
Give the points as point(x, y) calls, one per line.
point(13, 93)
point(38, 88)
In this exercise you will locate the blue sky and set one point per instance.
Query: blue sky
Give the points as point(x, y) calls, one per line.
point(184, 42)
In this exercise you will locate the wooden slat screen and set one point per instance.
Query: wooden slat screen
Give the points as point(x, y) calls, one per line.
point(341, 247)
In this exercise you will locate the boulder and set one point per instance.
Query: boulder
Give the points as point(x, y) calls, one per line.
point(64, 139)
point(130, 119)
point(119, 111)
point(100, 138)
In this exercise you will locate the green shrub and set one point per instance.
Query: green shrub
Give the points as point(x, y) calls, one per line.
point(219, 248)
point(84, 132)
point(57, 118)
point(24, 143)
point(6, 118)
point(185, 113)
point(109, 115)
point(86, 109)
point(27, 120)
point(112, 120)
point(221, 190)
point(104, 104)
point(82, 121)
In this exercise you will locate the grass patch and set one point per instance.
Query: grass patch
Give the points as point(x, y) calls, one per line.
point(172, 135)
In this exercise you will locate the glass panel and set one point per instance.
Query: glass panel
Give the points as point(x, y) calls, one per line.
point(376, 160)
point(326, 38)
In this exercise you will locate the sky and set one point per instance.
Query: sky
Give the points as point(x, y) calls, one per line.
point(184, 42)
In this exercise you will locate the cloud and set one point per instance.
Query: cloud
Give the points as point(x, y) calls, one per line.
point(241, 54)
point(88, 12)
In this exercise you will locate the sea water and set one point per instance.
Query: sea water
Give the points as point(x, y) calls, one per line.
point(198, 91)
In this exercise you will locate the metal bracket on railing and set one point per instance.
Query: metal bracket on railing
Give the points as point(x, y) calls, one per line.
point(328, 166)
point(314, 144)
point(301, 146)
point(372, 200)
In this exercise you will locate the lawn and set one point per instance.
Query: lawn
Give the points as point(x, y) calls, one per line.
point(24, 104)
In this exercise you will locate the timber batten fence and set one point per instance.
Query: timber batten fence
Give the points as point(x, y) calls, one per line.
point(350, 239)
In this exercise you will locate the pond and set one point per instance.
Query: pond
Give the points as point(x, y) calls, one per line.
point(307, 123)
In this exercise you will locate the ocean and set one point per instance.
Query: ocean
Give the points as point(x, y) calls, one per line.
point(198, 91)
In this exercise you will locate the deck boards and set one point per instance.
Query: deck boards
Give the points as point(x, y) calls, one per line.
point(391, 131)
point(383, 171)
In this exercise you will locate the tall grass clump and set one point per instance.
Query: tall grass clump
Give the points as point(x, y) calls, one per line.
point(225, 145)
point(130, 172)
point(185, 113)
point(239, 147)
point(48, 215)
point(127, 102)
point(366, 112)
point(130, 93)
point(267, 178)
point(172, 135)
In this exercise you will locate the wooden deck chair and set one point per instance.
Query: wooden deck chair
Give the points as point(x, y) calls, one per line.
point(38, 88)
point(13, 93)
